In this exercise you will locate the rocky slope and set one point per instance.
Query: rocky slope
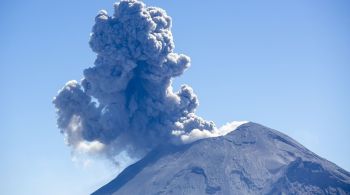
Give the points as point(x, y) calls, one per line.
point(253, 159)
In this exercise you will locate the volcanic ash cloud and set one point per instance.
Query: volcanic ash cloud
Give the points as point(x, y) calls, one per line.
point(125, 102)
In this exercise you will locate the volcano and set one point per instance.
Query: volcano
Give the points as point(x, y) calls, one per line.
point(252, 159)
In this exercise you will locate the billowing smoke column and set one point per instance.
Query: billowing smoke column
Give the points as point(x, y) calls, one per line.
point(125, 101)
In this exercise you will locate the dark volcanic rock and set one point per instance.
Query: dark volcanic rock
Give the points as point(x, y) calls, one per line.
point(252, 159)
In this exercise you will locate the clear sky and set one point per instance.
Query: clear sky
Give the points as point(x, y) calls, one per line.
point(283, 64)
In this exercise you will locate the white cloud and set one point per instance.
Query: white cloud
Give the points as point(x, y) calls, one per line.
point(197, 134)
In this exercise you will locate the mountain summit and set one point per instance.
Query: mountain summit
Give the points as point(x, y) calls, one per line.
point(252, 159)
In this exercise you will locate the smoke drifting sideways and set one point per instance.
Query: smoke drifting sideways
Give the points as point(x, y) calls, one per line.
point(125, 102)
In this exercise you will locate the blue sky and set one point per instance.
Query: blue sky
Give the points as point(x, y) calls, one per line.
point(284, 64)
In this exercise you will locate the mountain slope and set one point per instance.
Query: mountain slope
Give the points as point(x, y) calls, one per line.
point(252, 159)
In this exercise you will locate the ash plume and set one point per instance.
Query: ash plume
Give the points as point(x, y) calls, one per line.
point(125, 102)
